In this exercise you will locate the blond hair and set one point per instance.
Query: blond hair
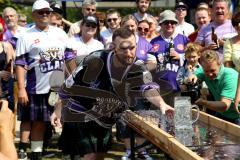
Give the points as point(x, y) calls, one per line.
point(193, 47)
point(209, 56)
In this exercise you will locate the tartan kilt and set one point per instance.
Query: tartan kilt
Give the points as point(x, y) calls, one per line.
point(80, 138)
point(37, 109)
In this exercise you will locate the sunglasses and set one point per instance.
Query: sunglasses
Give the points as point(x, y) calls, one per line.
point(101, 21)
point(169, 22)
point(43, 12)
point(140, 29)
point(111, 19)
point(91, 25)
point(23, 21)
point(181, 9)
point(90, 9)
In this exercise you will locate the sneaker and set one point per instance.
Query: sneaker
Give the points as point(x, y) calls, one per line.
point(127, 155)
point(22, 155)
point(47, 154)
point(144, 155)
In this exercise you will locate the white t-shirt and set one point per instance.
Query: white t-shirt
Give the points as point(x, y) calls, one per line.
point(186, 29)
point(82, 49)
point(41, 52)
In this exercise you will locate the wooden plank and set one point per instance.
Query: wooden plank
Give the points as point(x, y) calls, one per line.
point(180, 152)
point(160, 138)
point(219, 123)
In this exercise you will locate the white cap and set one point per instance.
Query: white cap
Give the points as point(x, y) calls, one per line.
point(40, 4)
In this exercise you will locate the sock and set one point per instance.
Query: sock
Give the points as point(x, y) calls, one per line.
point(36, 146)
point(23, 146)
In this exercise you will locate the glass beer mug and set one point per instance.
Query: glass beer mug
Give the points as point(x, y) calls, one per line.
point(183, 119)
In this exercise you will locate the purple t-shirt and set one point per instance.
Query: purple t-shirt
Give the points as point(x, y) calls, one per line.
point(167, 70)
point(223, 31)
point(143, 46)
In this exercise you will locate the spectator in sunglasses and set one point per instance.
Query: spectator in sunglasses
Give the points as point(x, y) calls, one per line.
point(182, 26)
point(88, 8)
point(45, 47)
point(113, 22)
point(22, 20)
point(88, 39)
point(101, 16)
point(168, 49)
point(143, 28)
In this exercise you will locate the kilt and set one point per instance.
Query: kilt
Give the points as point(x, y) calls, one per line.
point(37, 109)
point(80, 138)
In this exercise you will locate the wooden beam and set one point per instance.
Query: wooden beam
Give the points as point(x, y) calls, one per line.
point(158, 137)
point(219, 123)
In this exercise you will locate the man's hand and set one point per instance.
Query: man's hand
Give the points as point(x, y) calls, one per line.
point(56, 115)
point(236, 103)
point(22, 97)
point(166, 109)
point(200, 102)
point(212, 46)
point(55, 120)
point(221, 42)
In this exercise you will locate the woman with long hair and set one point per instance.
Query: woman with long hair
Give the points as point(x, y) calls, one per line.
point(88, 40)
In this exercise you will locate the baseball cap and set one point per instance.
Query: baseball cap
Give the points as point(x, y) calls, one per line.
point(90, 19)
point(40, 4)
point(167, 15)
point(56, 8)
point(181, 5)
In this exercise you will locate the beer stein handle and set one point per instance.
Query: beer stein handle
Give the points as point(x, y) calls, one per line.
point(195, 106)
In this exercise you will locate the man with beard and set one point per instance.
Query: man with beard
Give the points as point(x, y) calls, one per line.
point(221, 26)
point(105, 79)
point(142, 8)
point(13, 31)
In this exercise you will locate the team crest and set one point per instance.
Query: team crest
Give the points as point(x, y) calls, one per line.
point(155, 47)
point(51, 59)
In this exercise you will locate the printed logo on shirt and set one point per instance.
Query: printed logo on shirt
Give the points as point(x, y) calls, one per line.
point(51, 59)
point(180, 47)
point(155, 47)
